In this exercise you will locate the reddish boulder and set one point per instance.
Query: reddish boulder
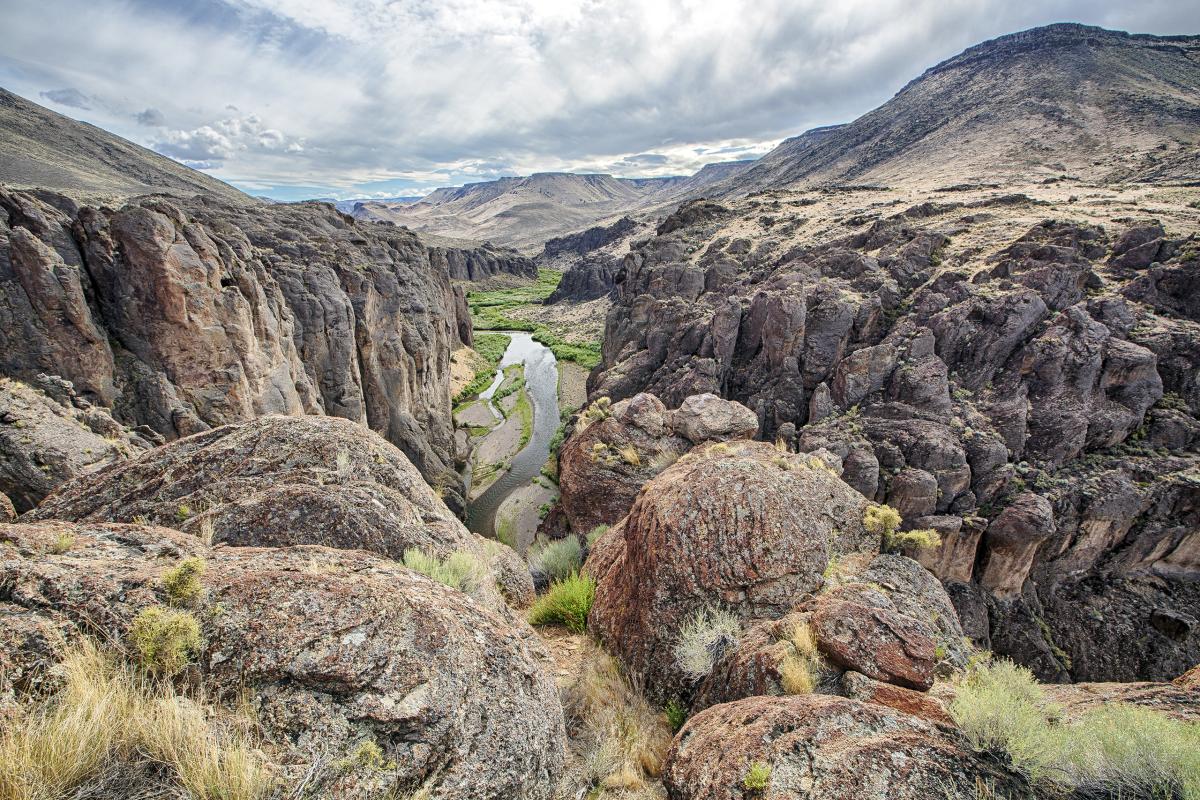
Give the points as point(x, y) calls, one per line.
point(857, 686)
point(7, 512)
point(819, 747)
point(879, 643)
point(739, 526)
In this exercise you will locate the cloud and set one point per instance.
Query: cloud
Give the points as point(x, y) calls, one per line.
point(216, 143)
point(336, 96)
point(151, 118)
point(67, 97)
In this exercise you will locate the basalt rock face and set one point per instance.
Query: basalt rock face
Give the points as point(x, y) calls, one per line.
point(187, 314)
point(832, 748)
point(591, 239)
point(480, 263)
point(330, 647)
point(1025, 386)
point(48, 435)
point(281, 481)
point(588, 278)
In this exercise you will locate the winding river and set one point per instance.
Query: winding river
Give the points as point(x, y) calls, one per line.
point(541, 382)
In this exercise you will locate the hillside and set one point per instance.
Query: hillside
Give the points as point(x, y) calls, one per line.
point(1062, 99)
point(44, 150)
point(525, 212)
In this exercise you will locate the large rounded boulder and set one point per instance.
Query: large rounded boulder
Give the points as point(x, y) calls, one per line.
point(279, 481)
point(616, 449)
point(819, 747)
point(738, 526)
point(332, 648)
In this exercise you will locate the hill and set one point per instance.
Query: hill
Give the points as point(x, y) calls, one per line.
point(42, 149)
point(1062, 99)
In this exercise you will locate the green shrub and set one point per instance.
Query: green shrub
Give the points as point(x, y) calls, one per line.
point(703, 639)
point(165, 640)
point(676, 714)
point(459, 570)
point(595, 533)
point(757, 777)
point(182, 582)
point(492, 346)
point(1115, 751)
point(885, 521)
point(567, 602)
point(557, 559)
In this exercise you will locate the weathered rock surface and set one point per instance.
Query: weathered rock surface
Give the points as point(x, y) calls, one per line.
point(588, 278)
point(598, 474)
point(281, 481)
point(881, 644)
point(734, 525)
point(826, 748)
point(49, 435)
point(7, 512)
point(331, 646)
point(1025, 386)
point(187, 314)
point(480, 263)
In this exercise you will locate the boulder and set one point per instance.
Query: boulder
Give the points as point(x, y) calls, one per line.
point(604, 464)
point(857, 686)
point(879, 643)
point(48, 435)
point(708, 418)
point(7, 512)
point(331, 647)
point(280, 481)
point(736, 525)
point(819, 747)
point(1012, 539)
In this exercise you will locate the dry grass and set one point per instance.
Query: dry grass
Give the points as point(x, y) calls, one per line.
point(663, 459)
point(165, 640)
point(630, 455)
point(623, 740)
point(704, 639)
point(110, 727)
point(800, 669)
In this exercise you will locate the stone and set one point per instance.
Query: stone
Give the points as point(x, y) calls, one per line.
point(881, 644)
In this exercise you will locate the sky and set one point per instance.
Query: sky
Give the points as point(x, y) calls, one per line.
point(295, 99)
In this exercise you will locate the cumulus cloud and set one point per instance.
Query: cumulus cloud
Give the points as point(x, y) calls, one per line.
point(67, 97)
point(350, 95)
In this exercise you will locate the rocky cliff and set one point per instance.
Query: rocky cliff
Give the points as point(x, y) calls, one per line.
point(1014, 371)
point(186, 314)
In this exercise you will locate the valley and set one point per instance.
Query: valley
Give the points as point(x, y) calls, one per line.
point(865, 470)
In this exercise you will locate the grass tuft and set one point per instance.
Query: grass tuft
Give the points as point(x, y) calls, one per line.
point(703, 640)
point(108, 726)
point(800, 669)
point(757, 777)
point(567, 602)
point(459, 570)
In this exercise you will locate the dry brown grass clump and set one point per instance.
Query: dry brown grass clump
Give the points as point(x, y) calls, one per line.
point(110, 731)
point(800, 670)
point(619, 736)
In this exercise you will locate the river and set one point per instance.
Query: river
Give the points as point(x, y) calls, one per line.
point(541, 382)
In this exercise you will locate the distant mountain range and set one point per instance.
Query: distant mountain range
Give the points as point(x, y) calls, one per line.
point(525, 212)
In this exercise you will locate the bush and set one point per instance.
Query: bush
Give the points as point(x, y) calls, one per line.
point(107, 730)
point(182, 582)
point(557, 559)
point(567, 603)
point(885, 521)
point(757, 777)
point(676, 714)
point(703, 639)
point(1113, 751)
point(459, 570)
point(595, 533)
point(165, 640)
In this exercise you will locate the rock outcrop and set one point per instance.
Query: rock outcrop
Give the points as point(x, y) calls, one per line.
point(832, 748)
point(737, 526)
point(329, 647)
point(481, 263)
point(1033, 400)
point(588, 278)
point(182, 315)
point(282, 481)
point(605, 463)
point(48, 435)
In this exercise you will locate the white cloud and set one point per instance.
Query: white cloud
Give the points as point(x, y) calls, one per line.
point(338, 94)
